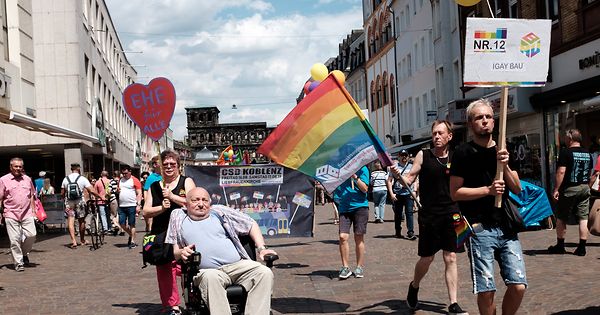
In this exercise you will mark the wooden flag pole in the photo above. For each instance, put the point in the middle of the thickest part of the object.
(501, 138)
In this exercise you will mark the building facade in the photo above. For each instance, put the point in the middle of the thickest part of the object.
(71, 53)
(380, 69)
(204, 130)
(416, 71)
(351, 61)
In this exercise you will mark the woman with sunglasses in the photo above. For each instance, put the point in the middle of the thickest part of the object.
(164, 196)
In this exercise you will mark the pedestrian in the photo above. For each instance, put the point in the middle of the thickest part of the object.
(39, 182)
(17, 193)
(162, 198)
(572, 191)
(114, 203)
(130, 199)
(72, 188)
(102, 186)
(319, 193)
(473, 185)
(47, 188)
(401, 198)
(152, 177)
(379, 189)
(351, 202)
(437, 217)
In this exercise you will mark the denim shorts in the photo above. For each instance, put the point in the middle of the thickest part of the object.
(491, 244)
(127, 214)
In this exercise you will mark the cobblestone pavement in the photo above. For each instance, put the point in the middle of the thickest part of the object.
(111, 281)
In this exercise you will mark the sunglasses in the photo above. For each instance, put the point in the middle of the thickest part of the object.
(169, 164)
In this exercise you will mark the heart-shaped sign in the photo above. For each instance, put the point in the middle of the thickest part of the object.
(150, 106)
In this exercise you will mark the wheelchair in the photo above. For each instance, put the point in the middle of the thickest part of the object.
(236, 294)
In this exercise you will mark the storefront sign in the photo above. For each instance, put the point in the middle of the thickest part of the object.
(591, 61)
(506, 52)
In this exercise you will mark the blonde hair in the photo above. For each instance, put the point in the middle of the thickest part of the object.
(473, 104)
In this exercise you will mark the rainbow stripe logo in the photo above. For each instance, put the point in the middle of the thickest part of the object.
(500, 33)
(530, 45)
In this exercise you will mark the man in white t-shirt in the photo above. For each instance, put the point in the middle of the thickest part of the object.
(72, 188)
(130, 198)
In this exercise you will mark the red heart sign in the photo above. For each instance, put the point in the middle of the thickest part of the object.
(150, 106)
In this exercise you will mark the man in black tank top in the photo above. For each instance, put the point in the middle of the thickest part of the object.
(436, 218)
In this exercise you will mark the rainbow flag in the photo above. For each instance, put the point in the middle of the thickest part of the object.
(462, 228)
(325, 136)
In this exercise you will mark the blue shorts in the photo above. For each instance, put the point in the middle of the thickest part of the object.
(491, 244)
(127, 214)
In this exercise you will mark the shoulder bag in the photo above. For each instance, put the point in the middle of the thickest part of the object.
(155, 251)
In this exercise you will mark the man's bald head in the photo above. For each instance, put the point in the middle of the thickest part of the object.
(197, 191)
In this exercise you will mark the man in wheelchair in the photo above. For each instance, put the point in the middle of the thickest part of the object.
(214, 232)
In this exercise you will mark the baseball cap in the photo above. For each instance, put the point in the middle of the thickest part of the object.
(403, 152)
(42, 173)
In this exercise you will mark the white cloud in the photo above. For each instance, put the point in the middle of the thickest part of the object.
(216, 60)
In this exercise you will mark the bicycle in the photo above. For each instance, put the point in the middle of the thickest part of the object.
(94, 228)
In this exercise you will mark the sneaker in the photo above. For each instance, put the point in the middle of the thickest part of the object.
(454, 309)
(174, 312)
(412, 298)
(132, 245)
(358, 272)
(19, 268)
(345, 273)
(411, 236)
(555, 249)
(122, 233)
(580, 251)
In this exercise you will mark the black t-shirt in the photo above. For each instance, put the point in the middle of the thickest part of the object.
(160, 223)
(578, 163)
(434, 179)
(477, 166)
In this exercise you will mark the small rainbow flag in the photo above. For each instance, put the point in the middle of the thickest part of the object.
(462, 228)
(325, 136)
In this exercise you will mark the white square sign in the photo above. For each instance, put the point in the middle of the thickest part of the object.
(506, 52)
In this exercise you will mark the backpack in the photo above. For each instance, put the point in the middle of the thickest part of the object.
(73, 190)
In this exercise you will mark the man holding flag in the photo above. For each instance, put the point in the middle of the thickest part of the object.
(438, 216)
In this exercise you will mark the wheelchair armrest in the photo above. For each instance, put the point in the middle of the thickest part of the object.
(270, 258)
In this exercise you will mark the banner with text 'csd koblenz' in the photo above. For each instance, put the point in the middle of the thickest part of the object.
(278, 198)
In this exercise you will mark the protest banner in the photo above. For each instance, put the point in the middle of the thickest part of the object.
(268, 193)
(506, 52)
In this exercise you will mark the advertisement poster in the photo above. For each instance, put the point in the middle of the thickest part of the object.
(278, 198)
(506, 52)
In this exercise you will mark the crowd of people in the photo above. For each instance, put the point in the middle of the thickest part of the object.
(457, 185)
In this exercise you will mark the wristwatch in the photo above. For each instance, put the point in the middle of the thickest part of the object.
(261, 248)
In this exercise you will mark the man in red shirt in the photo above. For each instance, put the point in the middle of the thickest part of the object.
(16, 194)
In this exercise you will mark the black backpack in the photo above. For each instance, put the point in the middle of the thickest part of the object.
(73, 190)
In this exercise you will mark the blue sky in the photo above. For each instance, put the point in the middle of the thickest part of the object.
(255, 54)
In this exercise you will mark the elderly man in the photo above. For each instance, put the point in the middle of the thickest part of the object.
(16, 195)
(213, 231)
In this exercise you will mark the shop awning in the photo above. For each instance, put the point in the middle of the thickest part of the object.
(407, 147)
(33, 124)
